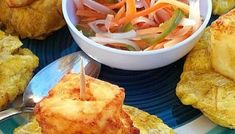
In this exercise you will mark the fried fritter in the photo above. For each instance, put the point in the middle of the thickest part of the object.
(16, 68)
(31, 127)
(18, 3)
(34, 19)
(205, 89)
(222, 6)
(222, 44)
(100, 113)
(148, 124)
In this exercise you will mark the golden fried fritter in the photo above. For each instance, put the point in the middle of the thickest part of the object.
(18, 3)
(16, 68)
(101, 113)
(222, 44)
(9, 44)
(31, 127)
(205, 89)
(222, 6)
(148, 124)
(34, 19)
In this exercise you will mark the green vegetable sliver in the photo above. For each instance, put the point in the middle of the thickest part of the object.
(130, 48)
(168, 26)
(127, 27)
(86, 30)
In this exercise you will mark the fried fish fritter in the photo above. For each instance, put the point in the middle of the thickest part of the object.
(222, 6)
(148, 124)
(205, 89)
(34, 19)
(100, 113)
(222, 44)
(31, 127)
(18, 3)
(16, 68)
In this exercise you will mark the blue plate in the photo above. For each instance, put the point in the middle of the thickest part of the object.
(152, 91)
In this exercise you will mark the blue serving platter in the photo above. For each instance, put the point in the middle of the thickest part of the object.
(152, 91)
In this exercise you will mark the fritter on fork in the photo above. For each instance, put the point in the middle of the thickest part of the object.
(100, 113)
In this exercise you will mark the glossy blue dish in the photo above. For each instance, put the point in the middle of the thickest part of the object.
(152, 91)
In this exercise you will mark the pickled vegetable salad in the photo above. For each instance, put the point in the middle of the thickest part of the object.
(137, 25)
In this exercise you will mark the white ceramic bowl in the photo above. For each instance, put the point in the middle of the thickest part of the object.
(128, 60)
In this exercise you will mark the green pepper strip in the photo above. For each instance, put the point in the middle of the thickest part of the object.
(127, 27)
(169, 26)
(86, 30)
(130, 48)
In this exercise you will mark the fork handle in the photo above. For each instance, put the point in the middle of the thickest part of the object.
(9, 112)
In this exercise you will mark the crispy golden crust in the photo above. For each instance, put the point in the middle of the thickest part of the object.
(222, 46)
(31, 127)
(16, 68)
(222, 6)
(19, 3)
(225, 23)
(146, 123)
(205, 89)
(101, 112)
(35, 20)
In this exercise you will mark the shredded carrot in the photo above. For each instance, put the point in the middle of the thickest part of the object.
(169, 10)
(142, 44)
(148, 2)
(89, 19)
(117, 5)
(120, 13)
(185, 31)
(158, 46)
(145, 12)
(130, 7)
(152, 30)
(117, 45)
(175, 41)
(89, 13)
(162, 15)
(146, 23)
(149, 48)
(147, 36)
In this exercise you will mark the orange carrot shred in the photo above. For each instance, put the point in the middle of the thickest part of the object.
(117, 5)
(147, 2)
(89, 13)
(159, 45)
(120, 13)
(126, 12)
(130, 7)
(141, 43)
(145, 12)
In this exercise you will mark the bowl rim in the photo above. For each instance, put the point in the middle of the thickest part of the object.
(117, 51)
